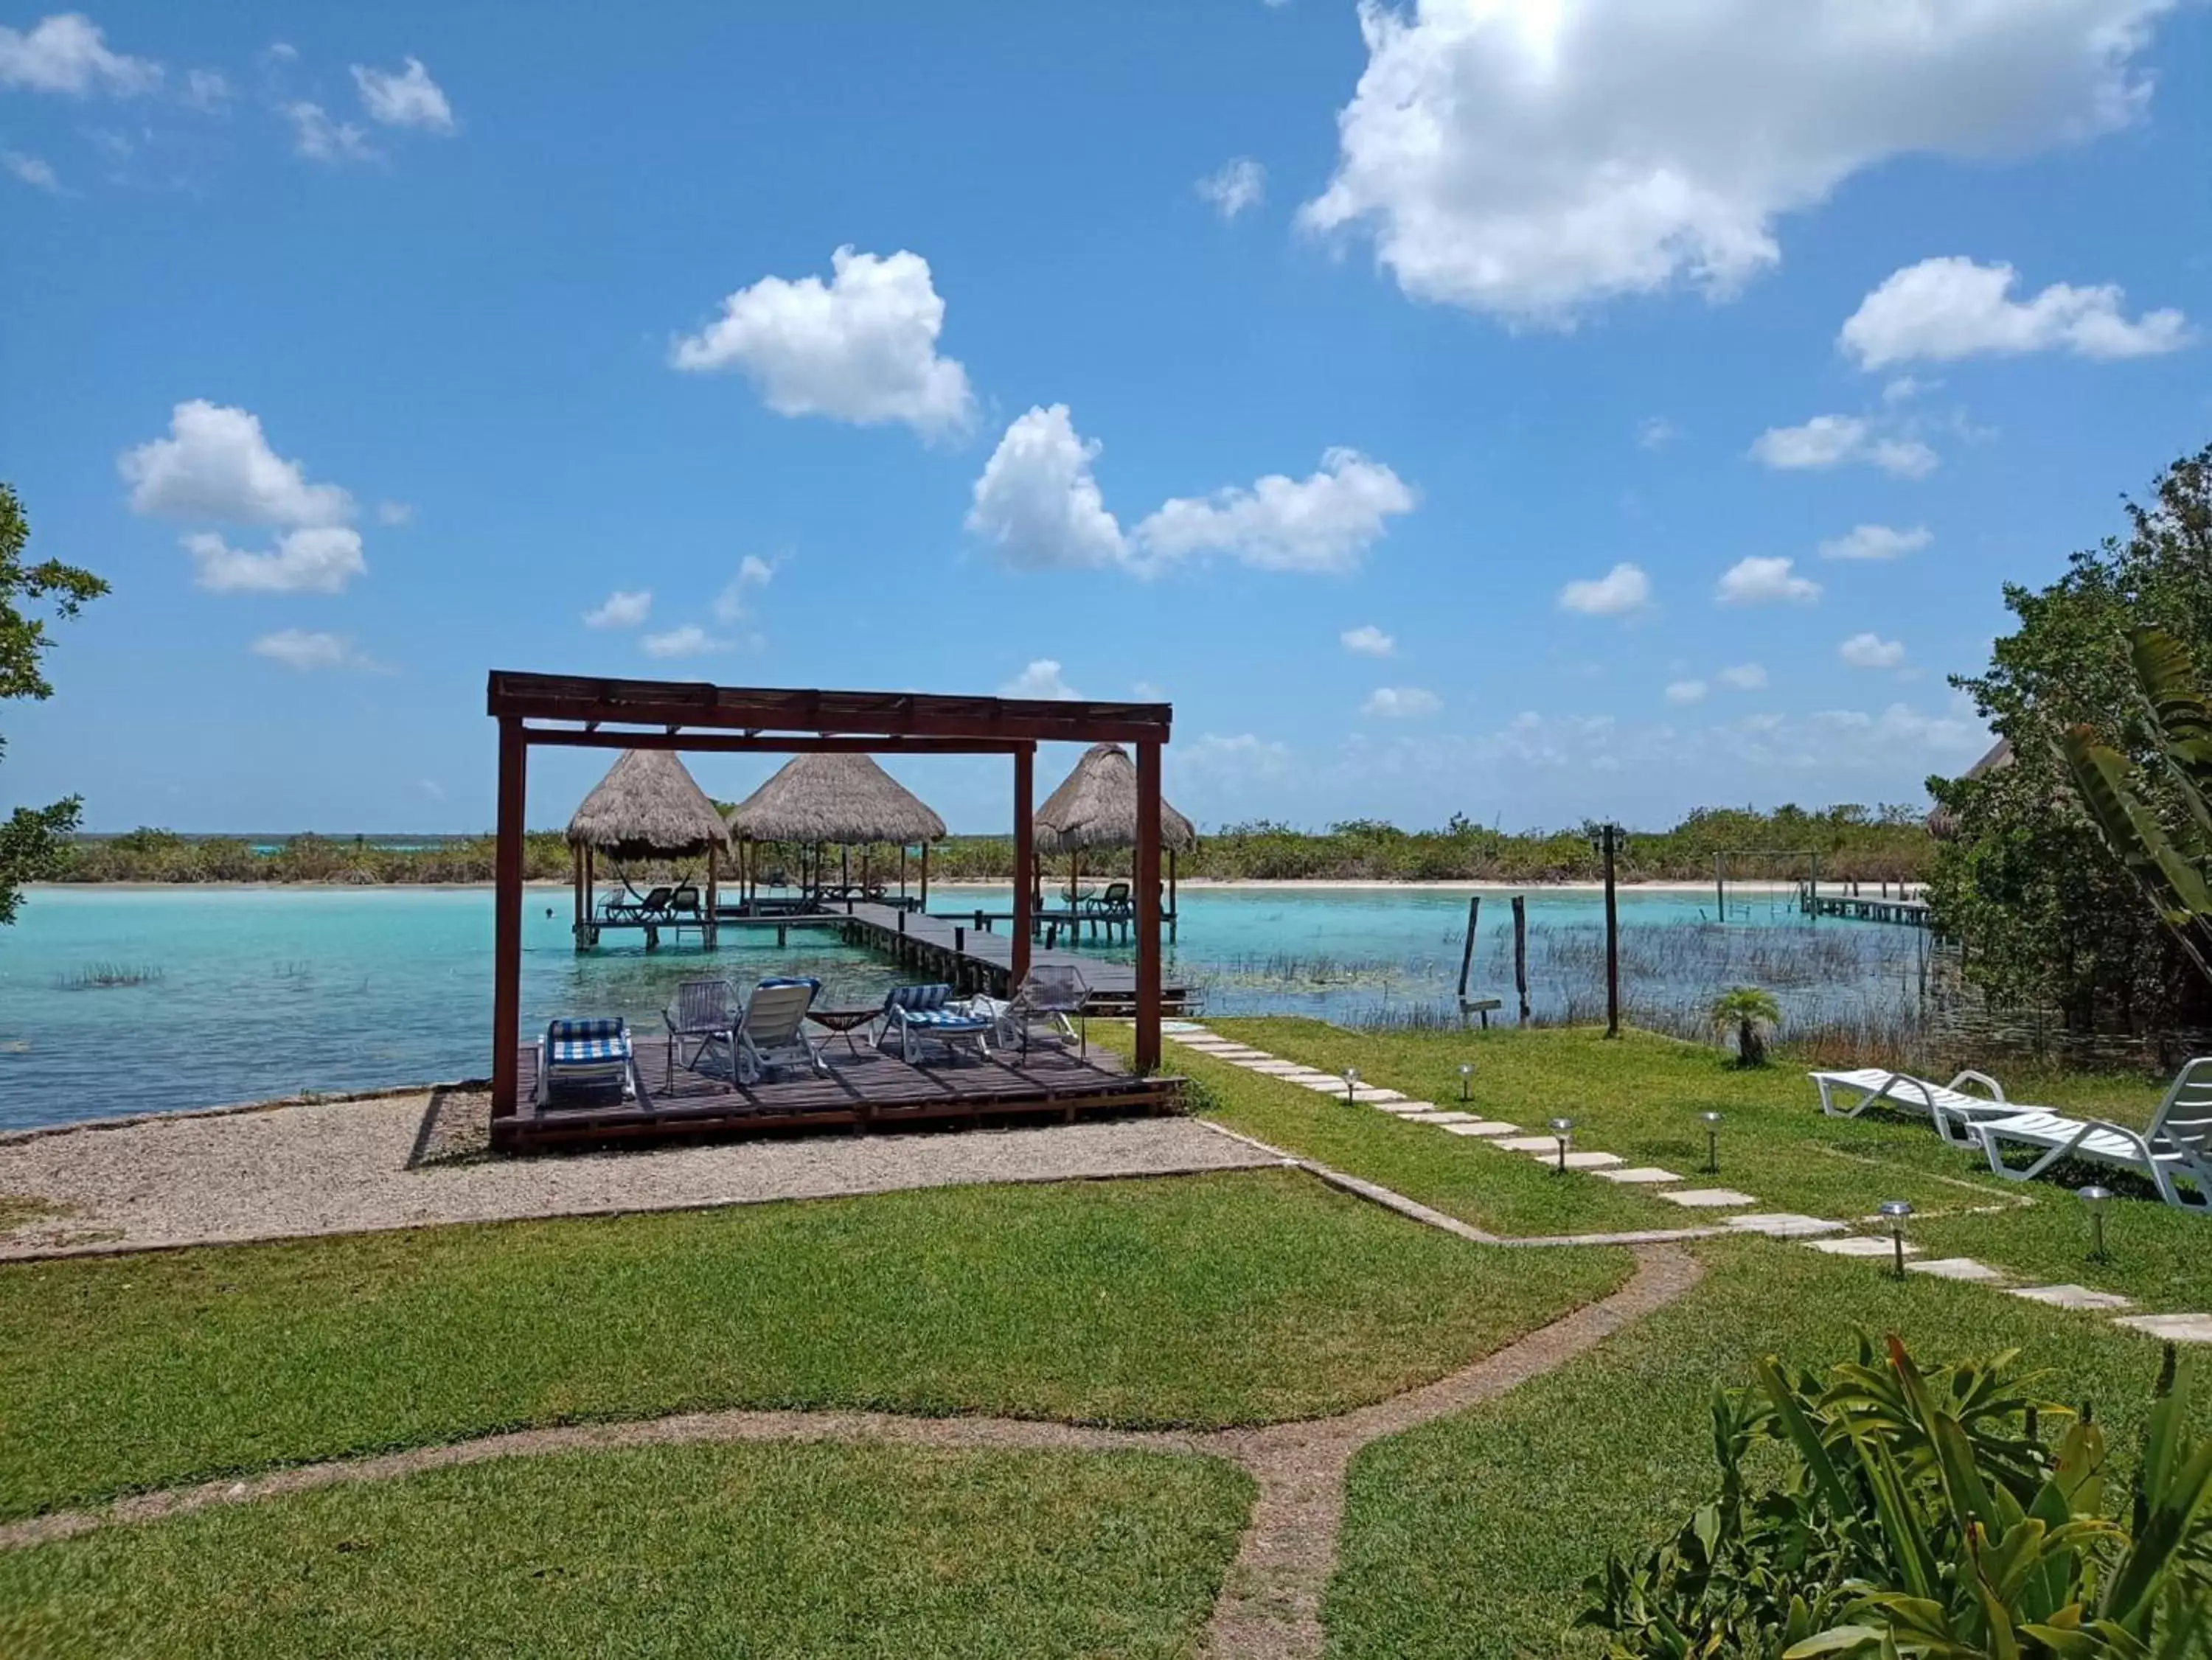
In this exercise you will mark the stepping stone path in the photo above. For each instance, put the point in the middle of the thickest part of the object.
(1815, 1233)
(2073, 1296)
(1709, 1198)
(1957, 1267)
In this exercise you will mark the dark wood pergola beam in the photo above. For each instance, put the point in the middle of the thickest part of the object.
(572, 737)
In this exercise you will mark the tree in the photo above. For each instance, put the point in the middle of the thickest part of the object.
(2051, 918)
(32, 837)
(1752, 1013)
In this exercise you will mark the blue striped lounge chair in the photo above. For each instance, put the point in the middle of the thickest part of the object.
(921, 1015)
(590, 1058)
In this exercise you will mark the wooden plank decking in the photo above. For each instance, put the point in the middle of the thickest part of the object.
(865, 1090)
(981, 960)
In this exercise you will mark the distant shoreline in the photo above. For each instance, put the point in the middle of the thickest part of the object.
(1292, 884)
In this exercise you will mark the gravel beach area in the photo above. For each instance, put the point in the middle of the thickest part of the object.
(411, 1161)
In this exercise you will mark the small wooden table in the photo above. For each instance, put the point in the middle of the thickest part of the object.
(845, 1020)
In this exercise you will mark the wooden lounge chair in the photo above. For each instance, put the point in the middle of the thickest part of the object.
(650, 908)
(588, 1058)
(921, 1015)
(2176, 1148)
(1953, 1111)
(704, 1015)
(772, 1029)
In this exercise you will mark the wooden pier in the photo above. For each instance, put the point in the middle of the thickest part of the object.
(972, 959)
(1864, 907)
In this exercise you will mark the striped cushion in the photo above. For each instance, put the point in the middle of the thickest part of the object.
(917, 999)
(947, 1020)
(586, 1042)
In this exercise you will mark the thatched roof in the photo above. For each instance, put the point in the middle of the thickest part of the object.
(1096, 806)
(846, 799)
(648, 806)
(1942, 823)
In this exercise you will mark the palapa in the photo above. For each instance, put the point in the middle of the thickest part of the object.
(648, 806)
(1942, 823)
(1096, 806)
(845, 799)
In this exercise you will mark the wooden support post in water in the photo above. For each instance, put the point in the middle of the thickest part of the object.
(1148, 907)
(1720, 888)
(1017, 948)
(507, 919)
(924, 875)
(1610, 835)
(1175, 905)
(1467, 949)
(1521, 952)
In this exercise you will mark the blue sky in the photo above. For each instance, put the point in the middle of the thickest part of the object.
(1319, 372)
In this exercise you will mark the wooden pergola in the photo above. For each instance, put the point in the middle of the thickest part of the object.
(576, 711)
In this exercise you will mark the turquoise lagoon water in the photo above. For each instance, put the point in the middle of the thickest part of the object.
(261, 991)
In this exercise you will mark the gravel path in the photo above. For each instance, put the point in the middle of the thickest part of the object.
(404, 1161)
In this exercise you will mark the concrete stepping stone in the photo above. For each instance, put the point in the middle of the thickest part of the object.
(1367, 1096)
(2174, 1328)
(1577, 1160)
(1860, 1245)
(1283, 1069)
(1643, 1175)
(1784, 1224)
(1709, 1198)
(1181, 1028)
(1957, 1267)
(1529, 1144)
(1482, 1127)
(1422, 1112)
(2073, 1296)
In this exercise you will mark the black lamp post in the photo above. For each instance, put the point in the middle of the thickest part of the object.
(1607, 843)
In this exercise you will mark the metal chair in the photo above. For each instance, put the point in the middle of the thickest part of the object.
(1055, 994)
(704, 1014)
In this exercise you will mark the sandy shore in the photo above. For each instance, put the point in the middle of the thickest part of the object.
(407, 1161)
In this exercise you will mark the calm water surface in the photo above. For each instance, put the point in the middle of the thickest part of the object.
(254, 993)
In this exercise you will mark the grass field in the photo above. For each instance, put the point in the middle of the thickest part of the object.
(1472, 1534)
(1639, 1096)
(1205, 1300)
(815, 1550)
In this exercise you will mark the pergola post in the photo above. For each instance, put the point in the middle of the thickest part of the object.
(714, 893)
(925, 878)
(1018, 963)
(507, 919)
(1148, 907)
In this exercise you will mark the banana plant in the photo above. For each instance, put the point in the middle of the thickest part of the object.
(2172, 865)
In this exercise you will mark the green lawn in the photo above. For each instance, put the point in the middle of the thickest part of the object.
(1640, 1096)
(769, 1550)
(1472, 1534)
(1200, 1300)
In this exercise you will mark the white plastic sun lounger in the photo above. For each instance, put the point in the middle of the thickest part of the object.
(1953, 1111)
(2178, 1142)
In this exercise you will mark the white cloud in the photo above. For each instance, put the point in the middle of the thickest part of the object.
(1368, 641)
(1041, 679)
(207, 90)
(318, 138)
(32, 170)
(1686, 691)
(1230, 757)
(1905, 388)
(753, 571)
(395, 514)
(689, 641)
(1323, 522)
(622, 609)
(320, 560)
(861, 348)
(1529, 159)
(1235, 186)
(1037, 502)
(215, 464)
(67, 53)
(1622, 589)
(1144, 691)
(1944, 309)
(1765, 582)
(1830, 440)
(1743, 677)
(1656, 433)
(431, 788)
(299, 650)
(1876, 542)
(1871, 651)
(409, 98)
(1400, 703)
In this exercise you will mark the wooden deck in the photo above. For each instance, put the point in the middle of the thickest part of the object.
(1866, 908)
(972, 959)
(866, 1090)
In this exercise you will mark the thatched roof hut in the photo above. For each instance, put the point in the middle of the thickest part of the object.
(1942, 823)
(844, 799)
(648, 806)
(1096, 806)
